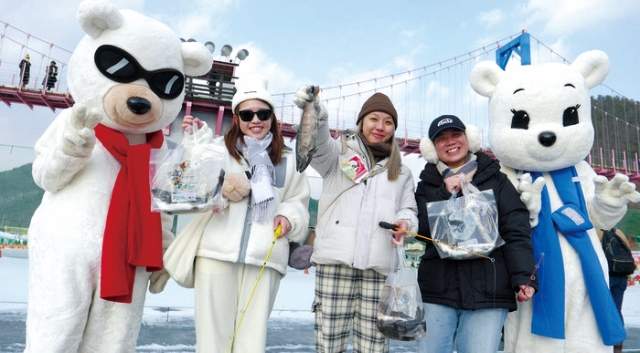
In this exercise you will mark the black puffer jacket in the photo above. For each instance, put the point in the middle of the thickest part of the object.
(477, 283)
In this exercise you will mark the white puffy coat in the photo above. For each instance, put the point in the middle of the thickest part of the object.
(347, 231)
(234, 237)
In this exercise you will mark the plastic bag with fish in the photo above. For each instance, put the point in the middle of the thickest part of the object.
(400, 314)
(187, 179)
(468, 222)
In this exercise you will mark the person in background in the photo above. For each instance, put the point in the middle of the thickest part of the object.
(466, 301)
(617, 283)
(236, 242)
(364, 183)
(52, 76)
(25, 69)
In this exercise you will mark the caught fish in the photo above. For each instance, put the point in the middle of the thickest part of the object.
(307, 132)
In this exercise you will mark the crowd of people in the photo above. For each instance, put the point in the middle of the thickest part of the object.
(364, 182)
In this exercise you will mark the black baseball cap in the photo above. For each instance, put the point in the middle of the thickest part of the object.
(444, 122)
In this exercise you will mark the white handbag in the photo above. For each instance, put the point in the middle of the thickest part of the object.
(179, 259)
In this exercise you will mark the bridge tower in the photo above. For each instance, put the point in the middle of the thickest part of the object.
(519, 45)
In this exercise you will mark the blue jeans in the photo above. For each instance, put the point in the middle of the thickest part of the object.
(617, 285)
(476, 331)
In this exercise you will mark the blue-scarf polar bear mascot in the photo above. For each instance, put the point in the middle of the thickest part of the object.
(540, 129)
(94, 244)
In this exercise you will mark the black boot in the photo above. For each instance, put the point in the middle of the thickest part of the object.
(617, 348)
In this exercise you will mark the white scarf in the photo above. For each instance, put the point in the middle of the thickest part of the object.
(262, 176)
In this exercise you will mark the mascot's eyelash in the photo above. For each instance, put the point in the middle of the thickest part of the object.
(570, 116)
(520, 119)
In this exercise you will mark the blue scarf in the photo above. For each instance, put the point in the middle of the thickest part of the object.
(573, 222)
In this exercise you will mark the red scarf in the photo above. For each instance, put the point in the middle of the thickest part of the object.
(133, 233)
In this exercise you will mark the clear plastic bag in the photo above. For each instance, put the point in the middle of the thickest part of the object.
(400, 314)
(187, 179)
(469, 223)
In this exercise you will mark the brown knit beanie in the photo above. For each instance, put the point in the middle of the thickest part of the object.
(378, 103)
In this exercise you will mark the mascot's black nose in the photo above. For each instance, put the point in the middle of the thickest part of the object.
(547, 139)
(138, 105)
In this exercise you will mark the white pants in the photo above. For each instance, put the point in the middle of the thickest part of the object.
(222, 291)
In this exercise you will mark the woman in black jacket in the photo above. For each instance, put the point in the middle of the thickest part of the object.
(466, 301)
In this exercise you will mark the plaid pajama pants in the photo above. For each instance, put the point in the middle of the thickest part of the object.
(347, 298)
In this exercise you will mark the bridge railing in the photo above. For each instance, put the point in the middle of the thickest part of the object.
(610, 159)
(209, 89)
(609, 163)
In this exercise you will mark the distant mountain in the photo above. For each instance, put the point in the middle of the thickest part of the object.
(19, 197)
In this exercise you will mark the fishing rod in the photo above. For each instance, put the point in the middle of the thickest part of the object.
(535, 268)
(392, 226)
(276, 235)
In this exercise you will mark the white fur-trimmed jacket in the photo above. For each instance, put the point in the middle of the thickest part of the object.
(347, 231)
(234, 237)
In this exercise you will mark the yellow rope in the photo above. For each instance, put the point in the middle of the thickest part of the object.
(275, 237)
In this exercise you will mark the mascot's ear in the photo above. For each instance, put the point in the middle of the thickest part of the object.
(593, 66)
(484, 78)
(94, 16)
(197, 59)
(428, 150)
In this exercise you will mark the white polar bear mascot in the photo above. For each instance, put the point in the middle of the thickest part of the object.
(541, 131)
(93, 241)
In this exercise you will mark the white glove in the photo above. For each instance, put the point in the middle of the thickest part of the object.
(305, 95)
(616, 193)
(158, 280)
(531, 196)
(79, 137)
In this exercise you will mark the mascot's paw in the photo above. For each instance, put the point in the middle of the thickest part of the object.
(531, 196)
(158, 280)
(79, 136)
(300, 256)
(236, 187)
(617, 192)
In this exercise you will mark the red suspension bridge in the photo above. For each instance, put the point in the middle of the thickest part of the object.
(419, 94)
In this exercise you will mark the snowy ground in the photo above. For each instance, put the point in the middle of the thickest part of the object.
(168, 316)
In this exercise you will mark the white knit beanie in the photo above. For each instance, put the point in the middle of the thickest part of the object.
(251, 86)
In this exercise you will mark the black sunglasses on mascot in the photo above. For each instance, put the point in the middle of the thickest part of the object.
(247, 115)
(118, 65)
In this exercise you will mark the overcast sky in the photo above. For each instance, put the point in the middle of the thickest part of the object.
(330, 43)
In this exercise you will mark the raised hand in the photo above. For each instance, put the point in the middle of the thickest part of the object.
(187, 123)
(79, 137)
(531, 196)
(615, 193)
(304, 95)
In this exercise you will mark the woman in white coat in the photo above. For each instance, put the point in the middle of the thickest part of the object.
(236, 242)
(364, 183)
